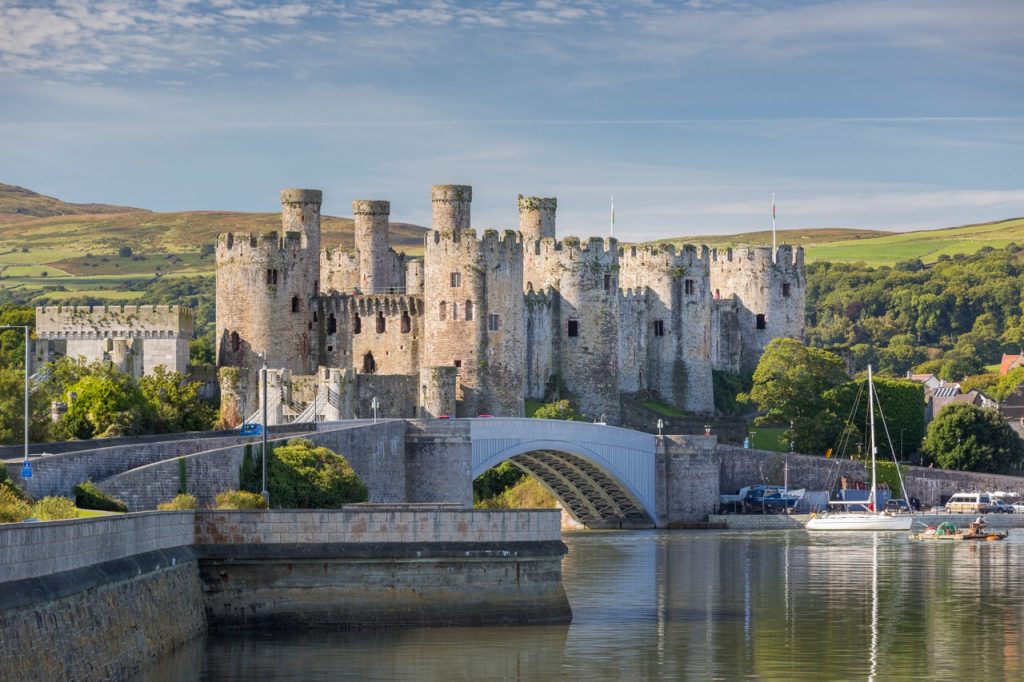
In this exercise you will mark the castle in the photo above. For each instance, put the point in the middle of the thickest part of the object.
(484, 321)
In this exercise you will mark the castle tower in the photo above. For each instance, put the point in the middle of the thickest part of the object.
(451, 207)
(474, 316)
(437, 392)
(537, 217)
(770, 292)
(266, 285)
(372, 245)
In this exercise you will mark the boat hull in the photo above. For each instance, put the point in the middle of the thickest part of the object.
(860, 522)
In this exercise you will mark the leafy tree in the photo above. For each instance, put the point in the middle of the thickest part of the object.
(902, 406)
(176, 401)
(107, 405)
(971, 438)
(561, 409)
(789, 386)
(12, 341)
(125, 252)
(496, 480)
(12, 409)
(303, 476)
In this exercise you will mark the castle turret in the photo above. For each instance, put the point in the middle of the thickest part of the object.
(451, 207)
(372, 245)
(474, 317)
(537, 217)
(265, 288)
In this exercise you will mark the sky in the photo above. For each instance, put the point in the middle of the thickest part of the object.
(881, 114)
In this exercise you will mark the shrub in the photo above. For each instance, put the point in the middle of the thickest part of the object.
(180, 501)
(8, 484)
(54, 509)
(303, 476)
(88, 496)
(239, 499)
(12, 507)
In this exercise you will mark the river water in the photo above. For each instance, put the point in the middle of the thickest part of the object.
(698, 605)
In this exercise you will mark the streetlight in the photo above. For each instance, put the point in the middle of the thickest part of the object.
(26, 467)
(661, 425)
(374, 405)
(263, 373)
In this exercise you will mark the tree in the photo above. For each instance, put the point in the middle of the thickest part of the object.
(902, 406)
(561, 409)
(125, 252)
(176, 402)
(303, 476)
(107, 405)
(12, 409)
(971, 438)
(789, 387)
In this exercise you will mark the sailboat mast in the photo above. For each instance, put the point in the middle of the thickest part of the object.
(871, 413)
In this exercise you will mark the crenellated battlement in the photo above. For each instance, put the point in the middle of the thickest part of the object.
(506, 243)
(257, 247)
(114, 321)
(786, 256)
(665, 256)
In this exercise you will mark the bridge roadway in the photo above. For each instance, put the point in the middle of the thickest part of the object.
(604, 476)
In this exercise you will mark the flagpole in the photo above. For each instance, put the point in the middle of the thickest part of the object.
(773, 226)
(611, 227)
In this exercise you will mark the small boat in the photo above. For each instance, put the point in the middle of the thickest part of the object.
(947, 530)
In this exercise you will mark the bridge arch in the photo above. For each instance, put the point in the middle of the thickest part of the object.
(603, 475)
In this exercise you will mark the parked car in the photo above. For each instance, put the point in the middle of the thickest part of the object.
(969, 503)
(1018, 507)
(898, 505)
(1001, 507)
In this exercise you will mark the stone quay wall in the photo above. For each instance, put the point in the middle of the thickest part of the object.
(101, 598)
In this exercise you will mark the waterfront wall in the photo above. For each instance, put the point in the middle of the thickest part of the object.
(96, 599)
(387, 567)
(100, 598)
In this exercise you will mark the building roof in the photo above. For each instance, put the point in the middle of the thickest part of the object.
(921, 378)
(946, 391)
(1010, 362)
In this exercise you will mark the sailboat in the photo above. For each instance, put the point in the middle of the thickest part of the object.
(872, 519)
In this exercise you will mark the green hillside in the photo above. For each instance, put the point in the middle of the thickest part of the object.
(925, 245)
(20, 202)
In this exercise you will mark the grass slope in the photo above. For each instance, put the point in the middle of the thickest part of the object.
(20, 203)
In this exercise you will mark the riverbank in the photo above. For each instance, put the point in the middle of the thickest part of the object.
(100, 598)
(795, 521)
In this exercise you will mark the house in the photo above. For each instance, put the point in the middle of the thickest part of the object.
(1010, 362)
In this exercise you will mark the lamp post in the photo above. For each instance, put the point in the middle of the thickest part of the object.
(27, 360)
(661, 425)
(374, 405)
(263, 373)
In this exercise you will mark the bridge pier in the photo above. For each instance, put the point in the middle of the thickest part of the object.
(689, 470)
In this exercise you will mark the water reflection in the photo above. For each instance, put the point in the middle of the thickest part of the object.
(698, 605)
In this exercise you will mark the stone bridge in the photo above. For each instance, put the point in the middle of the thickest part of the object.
(604, 476)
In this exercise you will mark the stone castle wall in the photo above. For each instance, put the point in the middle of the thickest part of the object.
(517, 314)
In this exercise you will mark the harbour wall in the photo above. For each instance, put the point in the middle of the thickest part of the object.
(101, 598)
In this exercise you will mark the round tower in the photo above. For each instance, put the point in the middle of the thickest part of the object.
(300, 212)
(451, 207)
(537, 217)
(437, 392)
(265, 287)
(372, 244)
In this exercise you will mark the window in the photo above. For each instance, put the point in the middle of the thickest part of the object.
(659, 327)
(493, 322)
(469, 310)
(357, 324)
(458, 364)
(236, 342)
(406, 322)
(271, 276)
(369, 364)
(315, 318)
(760, 320)
(332, 324)
(785, 289)
(330, 349)
(607, 282)
(316, 287)
(456, 279)
(573, 328)
(381, 324)
(442, 311)
(455, 311)
(688, 286)
(296, 305)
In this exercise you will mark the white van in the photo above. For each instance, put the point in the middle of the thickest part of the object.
(970, 503)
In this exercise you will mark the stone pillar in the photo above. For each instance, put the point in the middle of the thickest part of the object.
(235, 391)
(437, 392)
(537, 217)
(279, 383)
(339, 384)
(451, 207)
(372, 244)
